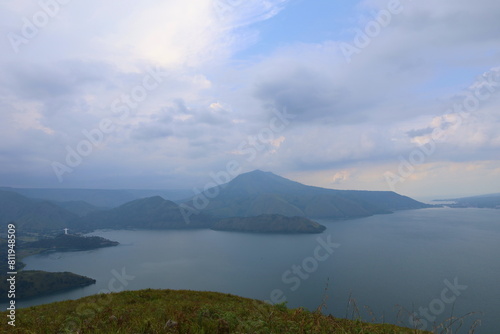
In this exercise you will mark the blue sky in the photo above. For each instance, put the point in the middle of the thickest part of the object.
(302, 22)
(378, 95)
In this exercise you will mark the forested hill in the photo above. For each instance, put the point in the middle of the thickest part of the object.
(259, 192)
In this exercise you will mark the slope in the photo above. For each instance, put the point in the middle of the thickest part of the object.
(259, 192)
(146, 213)
(32, 215)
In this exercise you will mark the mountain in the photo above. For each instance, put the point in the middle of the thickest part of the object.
(108, 198)
(32, 215)
(258, 192)
(269, 224)
(146, 213)
(80, 208)
(491, 201)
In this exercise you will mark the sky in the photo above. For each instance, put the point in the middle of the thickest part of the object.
(394, 95)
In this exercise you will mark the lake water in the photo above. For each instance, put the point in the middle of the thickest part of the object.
(435, 262)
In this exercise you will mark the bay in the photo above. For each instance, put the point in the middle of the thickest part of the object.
(434, 262)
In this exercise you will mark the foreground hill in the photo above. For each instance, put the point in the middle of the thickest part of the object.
(269, 224)
(146, 213)
(32, 215)
(168, 311)
(258, 192)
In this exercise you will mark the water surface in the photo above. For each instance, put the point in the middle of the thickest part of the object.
(407, 258)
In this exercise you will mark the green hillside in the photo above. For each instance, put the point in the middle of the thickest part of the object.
(80, 208)
(168, 311)
(147, 213)
(258, 192)
(32, 215)
(108, 198)
(69, 242)
(34, 283)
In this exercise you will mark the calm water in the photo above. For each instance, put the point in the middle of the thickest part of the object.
(433, 261)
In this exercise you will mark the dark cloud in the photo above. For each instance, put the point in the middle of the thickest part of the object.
(304, 93)
(419, 132)
(151, 132)
(42, 81)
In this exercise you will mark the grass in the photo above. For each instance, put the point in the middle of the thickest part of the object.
(169, 311)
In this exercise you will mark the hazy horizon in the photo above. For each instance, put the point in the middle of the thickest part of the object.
(195, 190)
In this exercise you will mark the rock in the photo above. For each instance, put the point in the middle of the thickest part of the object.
(170, 324)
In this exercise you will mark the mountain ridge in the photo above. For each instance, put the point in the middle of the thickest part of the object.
(32, 215)
(260, 192)
(151, 213)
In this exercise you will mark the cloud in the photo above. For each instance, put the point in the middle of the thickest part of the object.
(340, 177)
(351, 120)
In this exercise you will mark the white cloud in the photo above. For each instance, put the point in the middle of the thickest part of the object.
(352, 120)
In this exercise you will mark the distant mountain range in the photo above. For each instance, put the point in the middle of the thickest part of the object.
(32, 215)
(146, 213)
(491, 201)
(103, 198)
(259, 192)
(248, 195)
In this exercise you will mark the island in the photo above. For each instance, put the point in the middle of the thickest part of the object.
(71, 242)
(34, 283)
(269, 223)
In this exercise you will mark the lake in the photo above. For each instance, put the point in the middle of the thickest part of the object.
(434, 262)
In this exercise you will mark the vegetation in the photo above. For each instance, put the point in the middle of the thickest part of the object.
(65, 242)
(168, 311)
(80, 208)
(258, 192)
(34, 283)
(32, 215)
(147, 213)
(248, 195)
(269, 224)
